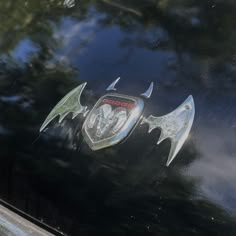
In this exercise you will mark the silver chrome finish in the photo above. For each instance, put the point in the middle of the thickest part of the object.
(69, 3)
(148, 93)
(175, 125)
(12, 224)
(69, 103)
(115, 115)
(105, 127)
(111, 87)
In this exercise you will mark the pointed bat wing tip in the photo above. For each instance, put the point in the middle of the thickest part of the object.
(46, 122)
(190, 101)
(168, 163)
(44, 125)
(190, 98)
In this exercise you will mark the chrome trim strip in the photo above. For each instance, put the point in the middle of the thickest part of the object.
(12, 224)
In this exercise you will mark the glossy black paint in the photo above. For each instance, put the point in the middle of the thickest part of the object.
(185, 47)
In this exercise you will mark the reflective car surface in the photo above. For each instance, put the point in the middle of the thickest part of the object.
(185, 47)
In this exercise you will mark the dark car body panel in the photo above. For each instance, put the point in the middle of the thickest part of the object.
(184, 47)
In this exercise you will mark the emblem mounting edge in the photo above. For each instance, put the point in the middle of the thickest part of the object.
(115, 138)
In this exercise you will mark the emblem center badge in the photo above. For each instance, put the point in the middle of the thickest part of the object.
(112, 118)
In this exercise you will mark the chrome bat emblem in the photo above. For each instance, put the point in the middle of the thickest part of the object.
(114, 116)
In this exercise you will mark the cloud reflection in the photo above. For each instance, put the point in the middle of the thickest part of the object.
(216, 167)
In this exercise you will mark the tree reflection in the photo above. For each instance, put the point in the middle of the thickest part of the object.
(110, 192)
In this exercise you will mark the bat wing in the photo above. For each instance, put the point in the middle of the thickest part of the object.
(175, 126)
(69, 103)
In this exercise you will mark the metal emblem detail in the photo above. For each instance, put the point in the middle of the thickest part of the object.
(111, 120)
(115, 115)
(175, 126)
(68, 104)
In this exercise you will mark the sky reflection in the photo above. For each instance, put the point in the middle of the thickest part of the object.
(24, 51)
(185, 48)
